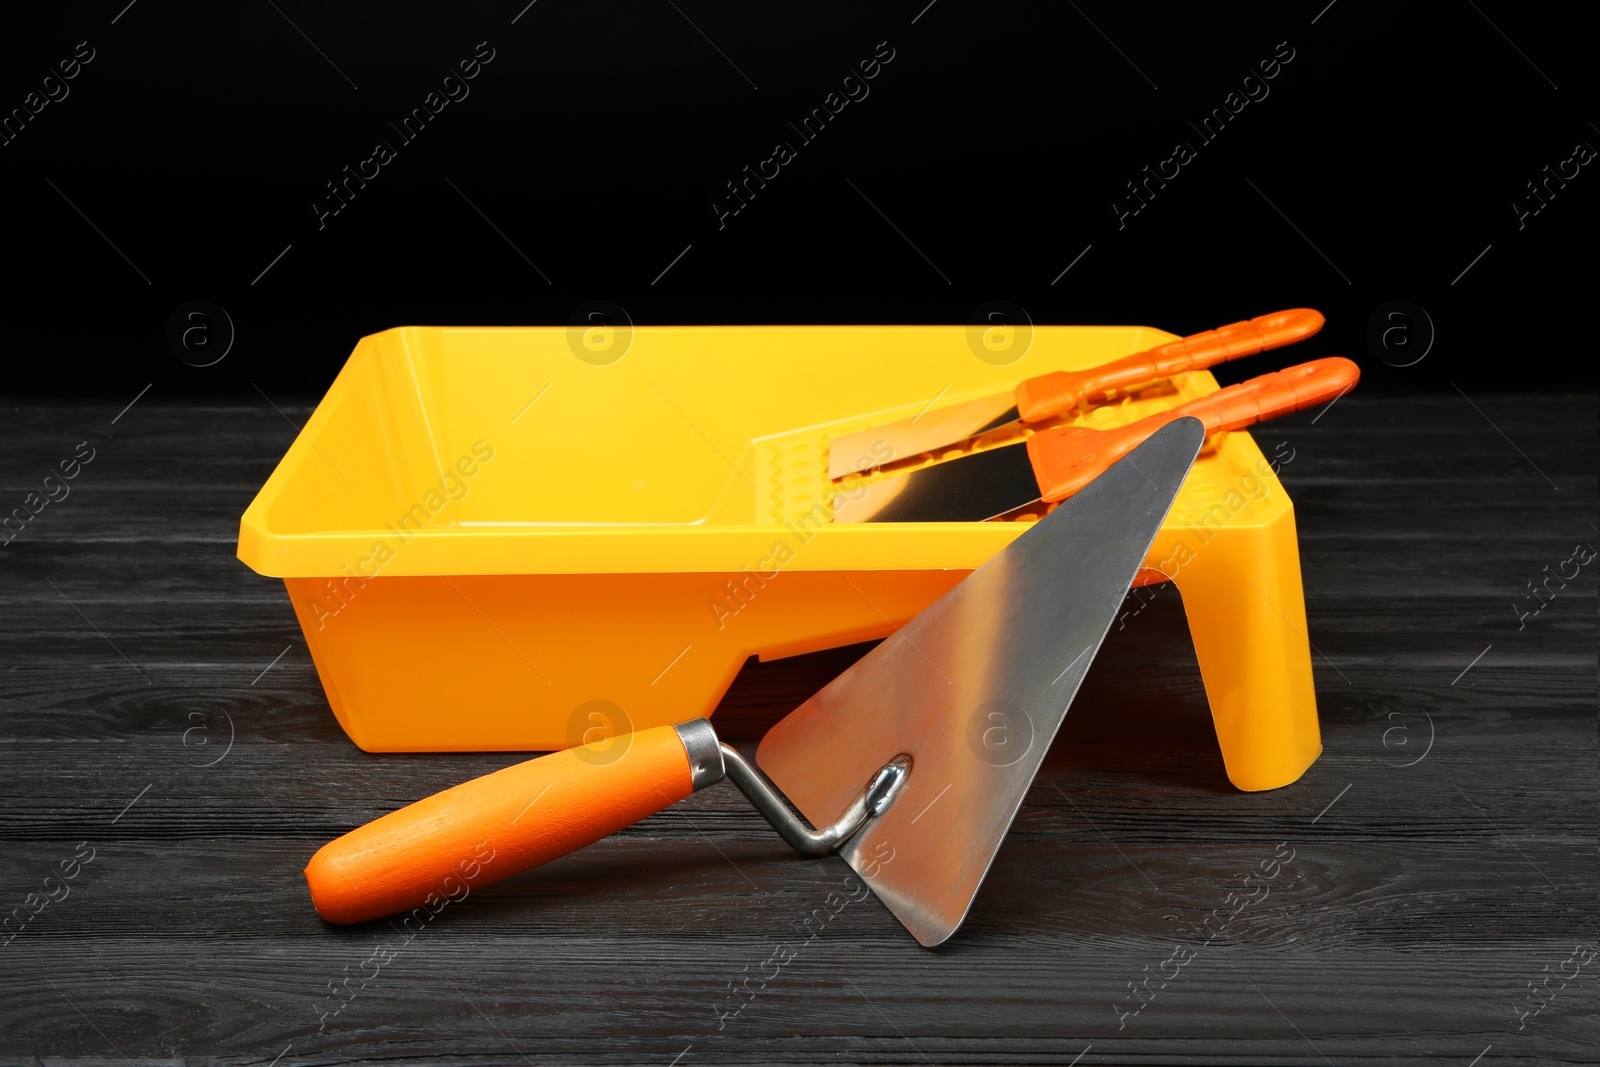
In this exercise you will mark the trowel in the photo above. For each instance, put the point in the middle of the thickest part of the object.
(910, 765)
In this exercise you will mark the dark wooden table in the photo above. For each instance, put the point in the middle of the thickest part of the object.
(1440, 903)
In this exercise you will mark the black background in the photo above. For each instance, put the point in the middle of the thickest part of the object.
(1390, 149)
(1432, 891)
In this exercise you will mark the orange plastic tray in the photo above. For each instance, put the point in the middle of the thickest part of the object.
(522, 538)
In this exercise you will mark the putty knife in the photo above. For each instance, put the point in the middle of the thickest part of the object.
(1048, 395)
(1053, 464)
(913, 762)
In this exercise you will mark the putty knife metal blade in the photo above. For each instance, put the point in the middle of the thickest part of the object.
(930, 430)
(974, 690)
(970, 488)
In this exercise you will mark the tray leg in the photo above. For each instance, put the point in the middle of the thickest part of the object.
(1246, 610)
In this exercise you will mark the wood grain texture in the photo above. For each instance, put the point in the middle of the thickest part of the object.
(1444, 846)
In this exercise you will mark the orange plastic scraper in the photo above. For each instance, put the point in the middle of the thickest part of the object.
(913, 762)
(1053, 464)
(1059, 392)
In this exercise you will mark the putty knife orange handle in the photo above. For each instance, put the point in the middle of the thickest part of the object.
(1051, 394)
(440, 849)
(1066, 458)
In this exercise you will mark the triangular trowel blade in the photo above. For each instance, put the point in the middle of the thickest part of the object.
(974, 689)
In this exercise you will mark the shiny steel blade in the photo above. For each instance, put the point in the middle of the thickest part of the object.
(921, 433)
(965, 489)
(973, 690)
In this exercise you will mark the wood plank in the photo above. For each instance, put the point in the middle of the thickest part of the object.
(1421, 902)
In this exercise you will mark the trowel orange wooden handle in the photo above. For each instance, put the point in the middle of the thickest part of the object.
(1051, 394)
(1066, 458)
(442, 848)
